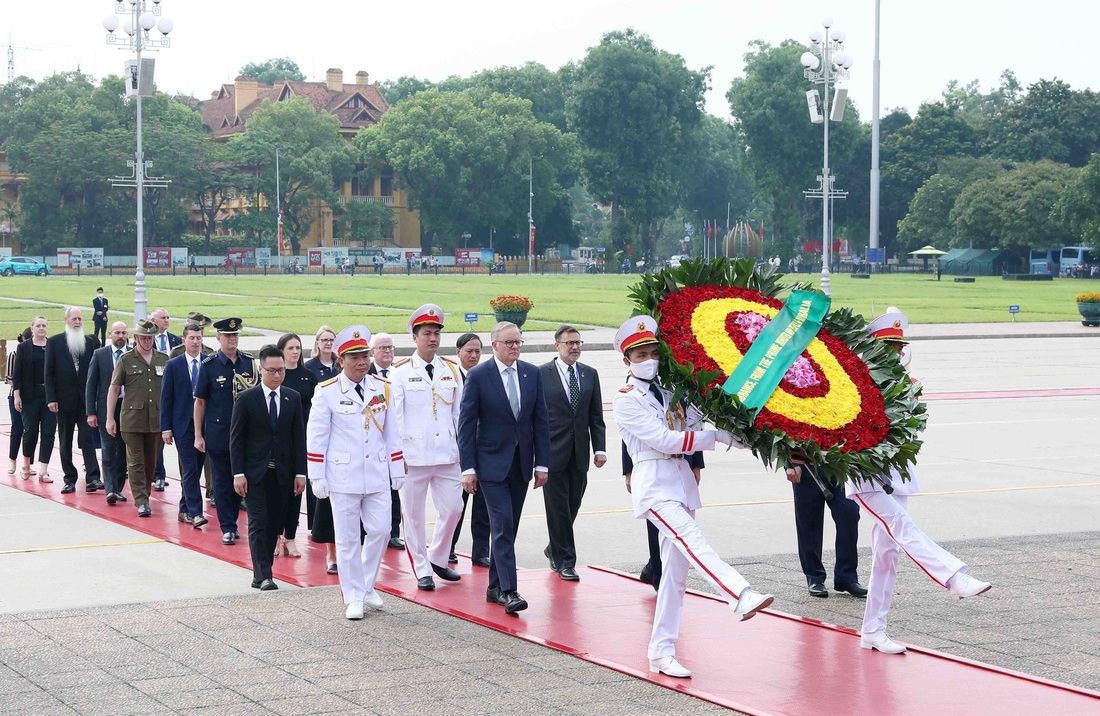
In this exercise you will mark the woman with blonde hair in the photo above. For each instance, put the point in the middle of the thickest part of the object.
(29, 388)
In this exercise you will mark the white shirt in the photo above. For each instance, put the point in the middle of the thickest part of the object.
(563, 373)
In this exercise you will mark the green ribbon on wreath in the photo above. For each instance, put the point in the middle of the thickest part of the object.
(777, 348)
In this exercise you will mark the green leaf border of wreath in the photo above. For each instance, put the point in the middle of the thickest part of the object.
(901, 396)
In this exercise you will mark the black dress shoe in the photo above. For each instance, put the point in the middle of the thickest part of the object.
(236, 535)
(426, 583)
(198, 521)
(396, 543)
(186, 518)
(817, 589)
(481, 562)
(513, 602)
(120, 497)
(158, 485)
(493, 596)
(93, 486)
(68, 488)
(452, 558)
(112, 498)
(145, 511)
(569, 574)
(268, 585)
(228, 538)
(446, 573)
(854, 588)
(550, 556)
(256, 583)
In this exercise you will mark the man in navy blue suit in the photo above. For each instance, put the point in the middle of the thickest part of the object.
(503, 432)
(177, 421)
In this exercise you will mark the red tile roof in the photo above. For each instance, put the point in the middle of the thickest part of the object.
(219, 113)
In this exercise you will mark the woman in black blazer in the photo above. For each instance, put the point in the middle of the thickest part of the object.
(29, 388)
(16, 419)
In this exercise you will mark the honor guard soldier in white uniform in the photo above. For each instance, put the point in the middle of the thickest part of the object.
(657, 434)
(354, 456)
(893, 530)
(427, 393)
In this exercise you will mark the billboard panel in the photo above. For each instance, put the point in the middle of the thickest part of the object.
(78, 258)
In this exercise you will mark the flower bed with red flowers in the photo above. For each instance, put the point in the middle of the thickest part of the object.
(846, 405)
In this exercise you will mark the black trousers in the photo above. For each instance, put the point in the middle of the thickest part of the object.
(226, 500)
(809, 521)
(267, 500)
(395, 513)
(38, 418)
(653, 566)
(114, 456)
(101, 331)
(479, 525)
(16, 429)
(505, 502)
(562, 496)
(69, 421)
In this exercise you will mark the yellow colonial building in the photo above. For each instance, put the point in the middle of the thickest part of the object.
(357, 106)
(9, 199)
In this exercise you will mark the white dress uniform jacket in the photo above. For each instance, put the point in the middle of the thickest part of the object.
(425, 410)
(651, 433)
(349, 443)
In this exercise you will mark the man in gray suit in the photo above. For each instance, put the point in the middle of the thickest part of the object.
(100, 371)
(575, 408)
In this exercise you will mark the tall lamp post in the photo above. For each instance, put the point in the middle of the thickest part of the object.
(140, 19)
(826, 63)
(530, 212)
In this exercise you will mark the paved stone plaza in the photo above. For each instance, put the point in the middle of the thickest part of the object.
(98, 619)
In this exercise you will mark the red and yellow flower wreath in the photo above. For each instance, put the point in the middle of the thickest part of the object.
(846, 405)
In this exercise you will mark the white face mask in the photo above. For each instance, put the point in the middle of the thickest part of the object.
(646, 370)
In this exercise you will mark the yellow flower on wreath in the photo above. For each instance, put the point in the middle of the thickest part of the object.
(833, 410)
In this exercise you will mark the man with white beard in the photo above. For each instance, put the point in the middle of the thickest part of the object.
(68, 355)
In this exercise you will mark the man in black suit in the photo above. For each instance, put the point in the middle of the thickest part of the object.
(99, 317)
(68, 355)
(503, 433)
(164, 342)
(574, 407)
(381, 346)
(100, 370)
(267, 448)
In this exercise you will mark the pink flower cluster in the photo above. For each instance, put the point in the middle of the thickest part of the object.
(801, 374)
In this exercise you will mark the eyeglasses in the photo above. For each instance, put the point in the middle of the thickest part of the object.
(327, 340)
(571, 344)
(274, 371)
(511, 344)
(383, 348)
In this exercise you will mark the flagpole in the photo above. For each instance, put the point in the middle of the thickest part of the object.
(278, 208)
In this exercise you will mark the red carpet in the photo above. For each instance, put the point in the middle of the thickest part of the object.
(773, 664)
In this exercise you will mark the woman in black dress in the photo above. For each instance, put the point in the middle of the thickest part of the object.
(300, 379)
(16, 441)
(323, 366)
(29, 384)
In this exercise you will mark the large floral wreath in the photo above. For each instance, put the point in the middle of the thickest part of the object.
(846, 405)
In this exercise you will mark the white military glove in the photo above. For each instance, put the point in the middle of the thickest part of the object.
(320, 488)
(396, 483)
(725, 437)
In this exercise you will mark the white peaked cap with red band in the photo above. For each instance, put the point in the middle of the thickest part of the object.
(636, 331)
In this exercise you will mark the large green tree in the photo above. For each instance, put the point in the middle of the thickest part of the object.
(271, 71)
(785, 150)
(1051, 121)
(634, 108)
(1014, 208)
(715, 183)
(928, 222)
(313, 160)
(464, 159)
(1079, 206)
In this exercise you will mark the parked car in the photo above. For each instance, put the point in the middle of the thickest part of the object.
(675, 261)
(13, 265)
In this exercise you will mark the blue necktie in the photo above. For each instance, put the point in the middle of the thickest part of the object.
(194, 374)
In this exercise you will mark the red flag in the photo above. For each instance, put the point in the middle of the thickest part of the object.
(761, 229)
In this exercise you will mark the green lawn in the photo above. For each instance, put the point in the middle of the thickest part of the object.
(301, 303)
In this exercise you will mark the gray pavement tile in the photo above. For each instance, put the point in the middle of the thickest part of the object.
(59, 710)
(17, 686)
(246, 708)
(297, 655)
(395, 661)
(186, 700)
(107, 700)
(302, 705)
(321, 667)
(531, 682)
(160, 685)
(592, 674)
(235, 674)
(285, 687)
(462, 654)
(152, 668)
(65, 679)
(31, 700)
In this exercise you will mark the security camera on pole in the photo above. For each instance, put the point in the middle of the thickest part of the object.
(140, 19)
(826, 63)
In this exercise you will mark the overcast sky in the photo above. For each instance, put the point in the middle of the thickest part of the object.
(925, 43)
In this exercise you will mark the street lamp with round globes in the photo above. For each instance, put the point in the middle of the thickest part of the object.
(826, 63)
(140, 19)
